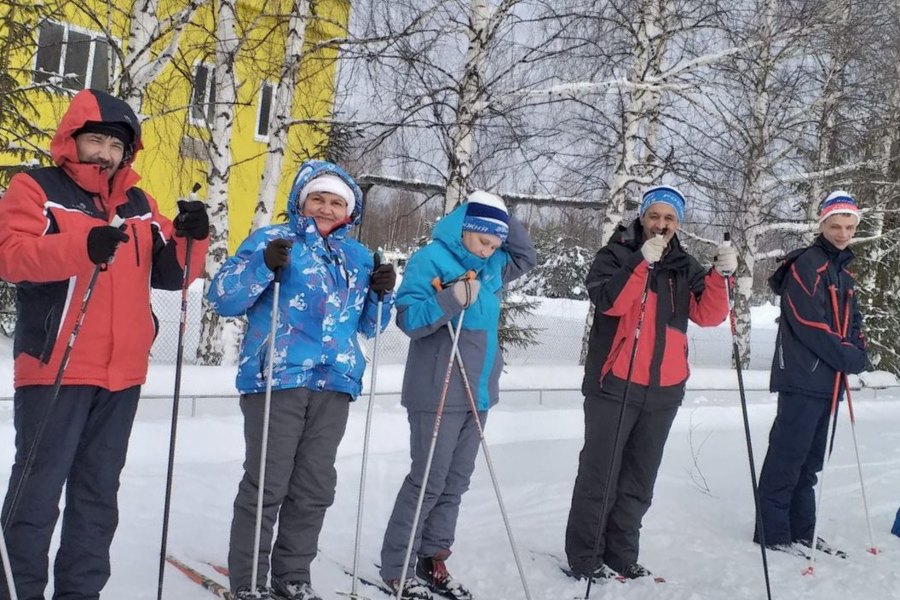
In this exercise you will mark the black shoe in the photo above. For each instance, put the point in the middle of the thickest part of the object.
(824, 547)
(635, 571)
(260, 593)
(792, 549)
(433, 571)
(293, 590)
(412, 589)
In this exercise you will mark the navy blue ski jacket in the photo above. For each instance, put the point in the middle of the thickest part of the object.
(810, 349)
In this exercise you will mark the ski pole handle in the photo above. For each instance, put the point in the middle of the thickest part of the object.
(377, 263)
(440, 286)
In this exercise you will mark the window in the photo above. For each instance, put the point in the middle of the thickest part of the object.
(203, 97)
(72, 58)
(264, 114)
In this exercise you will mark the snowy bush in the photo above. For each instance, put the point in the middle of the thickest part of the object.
(561, 269)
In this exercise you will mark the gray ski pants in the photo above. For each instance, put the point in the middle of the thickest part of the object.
(305, 429)
(451, 470)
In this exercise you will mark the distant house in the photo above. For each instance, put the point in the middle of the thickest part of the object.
(75, 46)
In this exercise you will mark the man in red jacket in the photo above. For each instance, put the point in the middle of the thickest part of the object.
(679, 289)
(55, 230)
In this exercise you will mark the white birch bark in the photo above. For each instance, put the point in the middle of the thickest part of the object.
(634, 164)
(642, 102)
(139, 65)
(751, 218)
(213, 334)
(282, 109)
(462, 136)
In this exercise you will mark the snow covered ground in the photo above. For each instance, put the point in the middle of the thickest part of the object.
(697, 534)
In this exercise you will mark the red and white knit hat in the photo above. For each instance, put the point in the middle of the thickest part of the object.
(838, 202)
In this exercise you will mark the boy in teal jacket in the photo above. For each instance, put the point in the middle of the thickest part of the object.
(478, 236)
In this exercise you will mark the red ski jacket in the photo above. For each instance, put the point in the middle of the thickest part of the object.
(45, 216)
(680, 290)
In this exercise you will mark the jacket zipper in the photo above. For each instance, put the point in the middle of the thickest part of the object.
(137, 247)
(780, 352)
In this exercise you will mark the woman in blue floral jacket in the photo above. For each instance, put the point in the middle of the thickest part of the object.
(329, 293)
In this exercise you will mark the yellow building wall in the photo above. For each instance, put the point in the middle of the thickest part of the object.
(166, 173)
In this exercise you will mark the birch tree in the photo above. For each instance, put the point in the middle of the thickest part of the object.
(218, 336)
(282, 112)
(149, 28)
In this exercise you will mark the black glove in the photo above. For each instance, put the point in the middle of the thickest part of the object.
(102, 242)
(383, 278)
(278, 253)
(192, 220)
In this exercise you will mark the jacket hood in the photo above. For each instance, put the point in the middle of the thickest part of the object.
(308, 171)
(92, 105)
(448, 231)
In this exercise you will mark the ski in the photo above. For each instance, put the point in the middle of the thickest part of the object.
(199, 578)
(220, 569)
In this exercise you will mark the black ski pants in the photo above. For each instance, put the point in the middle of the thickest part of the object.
(83, 446)
(636, 462)
(787, 500)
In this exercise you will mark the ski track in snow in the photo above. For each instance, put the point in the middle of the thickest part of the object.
(698, 539)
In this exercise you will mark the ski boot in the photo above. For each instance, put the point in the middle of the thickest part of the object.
(637, 571)
(412, 589)
(433, 571)
(260, 593)
(824, 547)
(293, 590)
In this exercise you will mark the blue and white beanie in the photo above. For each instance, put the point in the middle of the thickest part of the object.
(486, 213)
(663, 194)
(838, 202)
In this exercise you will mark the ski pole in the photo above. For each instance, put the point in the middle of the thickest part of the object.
(117, 222)
(365, 454)
(832, 424)
(736, 353)
(434, 436)
(862, 486)
(176, 396)
(490, 464)
(601, 522)
(7, 568)
(264, 444)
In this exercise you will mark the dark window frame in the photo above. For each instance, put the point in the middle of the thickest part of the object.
(265, 108)
(54, 60)
(202, 110)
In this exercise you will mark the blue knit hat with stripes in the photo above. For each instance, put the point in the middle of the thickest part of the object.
(486, 213)
(663, 194)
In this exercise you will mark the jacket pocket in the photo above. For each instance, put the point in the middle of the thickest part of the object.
(51, 326)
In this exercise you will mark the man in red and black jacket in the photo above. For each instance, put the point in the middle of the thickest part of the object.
(819, 342)
(679, 289)
(55, 230)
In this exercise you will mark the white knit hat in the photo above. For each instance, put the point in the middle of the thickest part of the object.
(331, 184)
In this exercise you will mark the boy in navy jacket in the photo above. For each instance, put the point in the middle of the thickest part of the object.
(819, 342)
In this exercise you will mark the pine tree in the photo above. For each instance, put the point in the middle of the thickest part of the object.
(561, 270)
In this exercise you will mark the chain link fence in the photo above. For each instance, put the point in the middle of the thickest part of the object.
(558, 327)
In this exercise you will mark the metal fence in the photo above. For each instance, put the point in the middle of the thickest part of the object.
(558, 337)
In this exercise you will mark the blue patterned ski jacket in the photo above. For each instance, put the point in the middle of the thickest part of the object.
(324, 300)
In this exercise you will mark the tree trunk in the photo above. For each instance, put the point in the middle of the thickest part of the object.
(462, 137)
(282, 114)
(212, 349)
